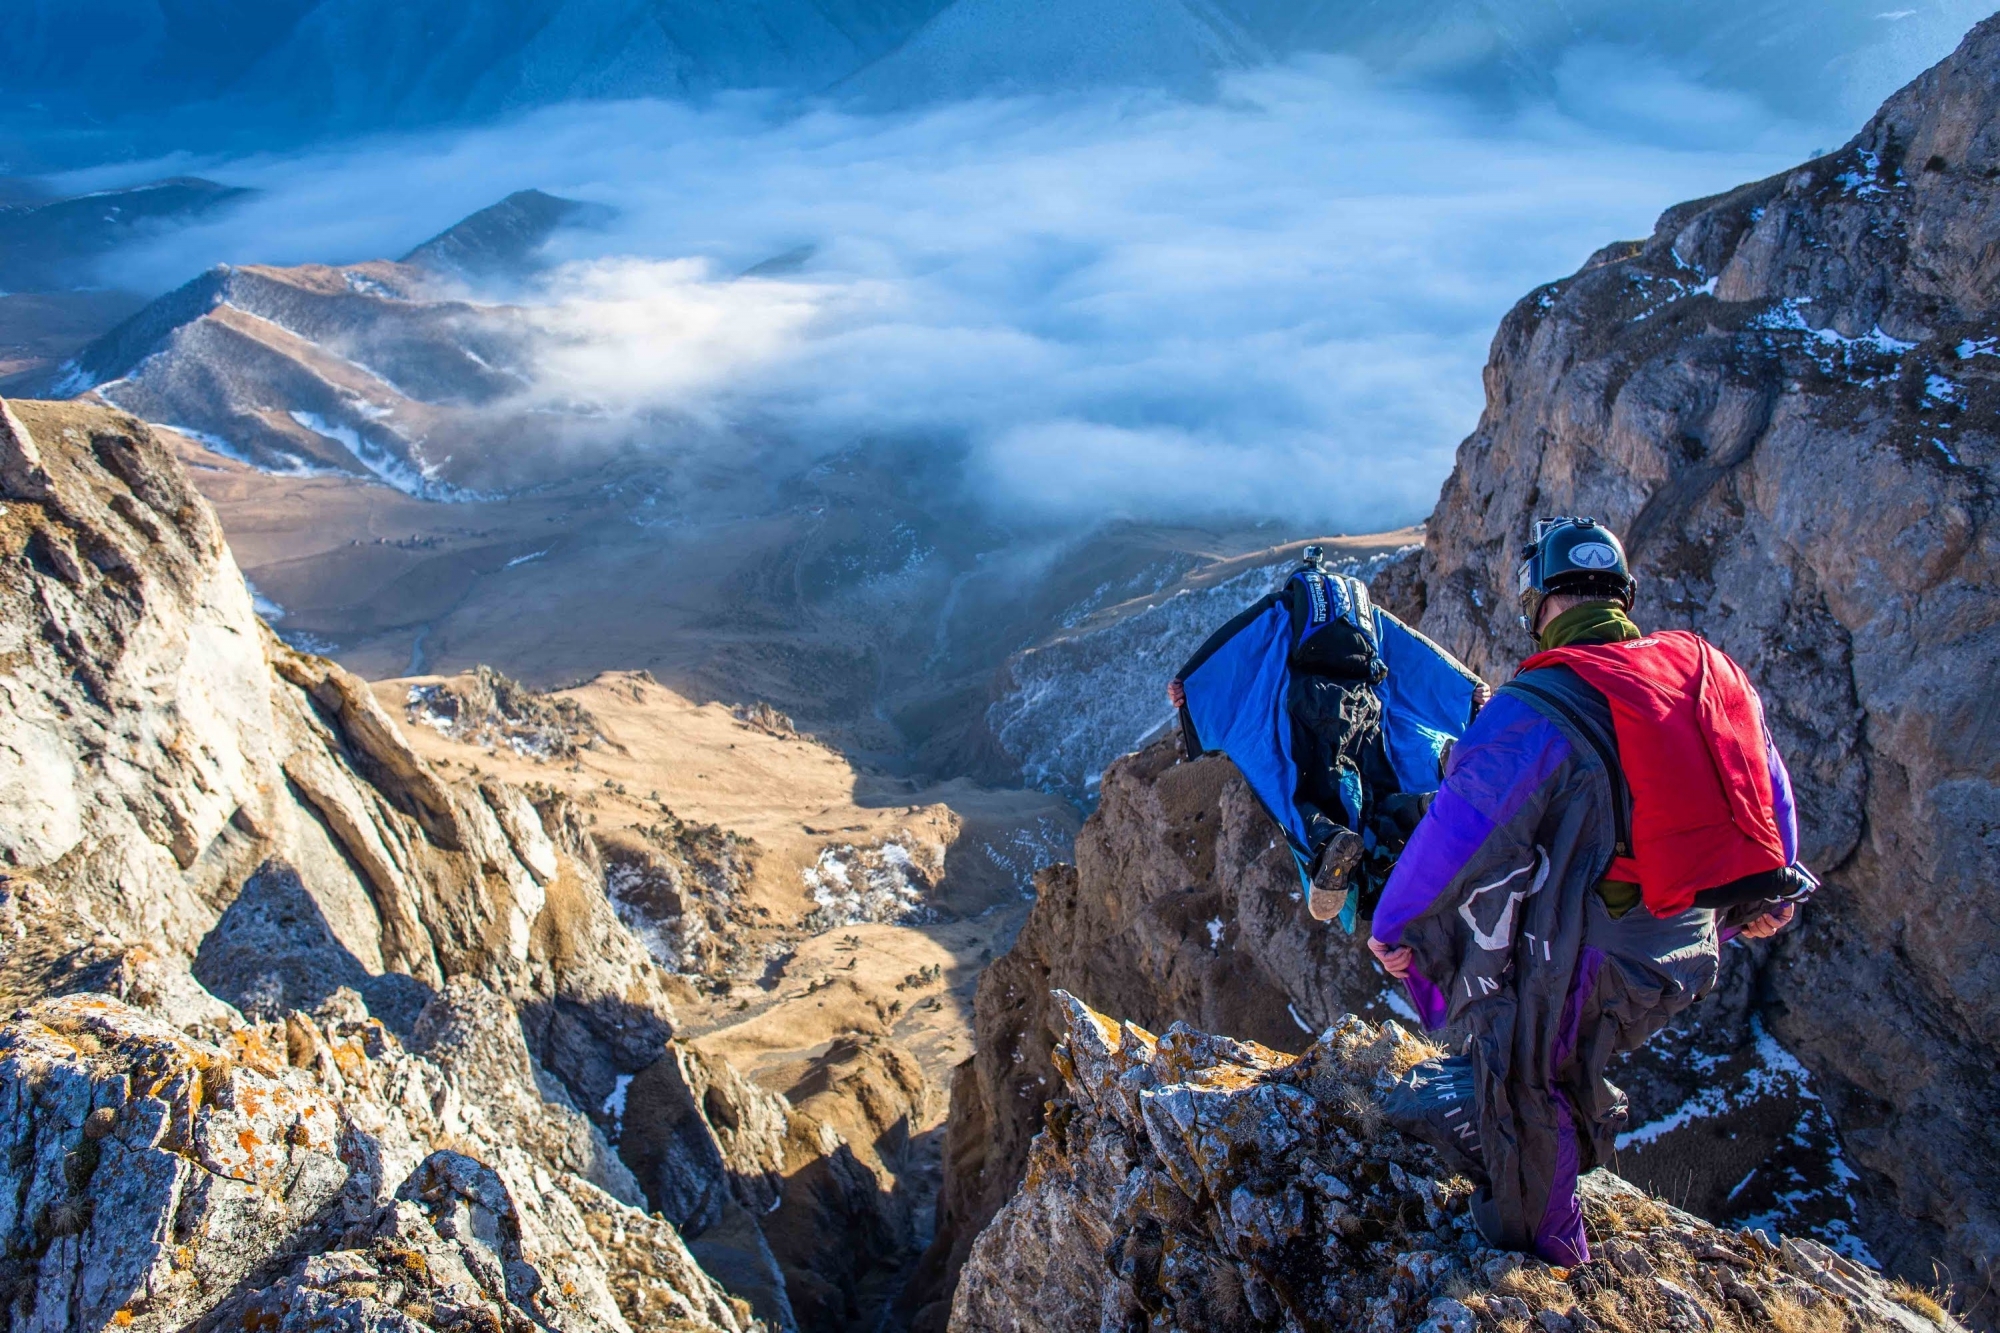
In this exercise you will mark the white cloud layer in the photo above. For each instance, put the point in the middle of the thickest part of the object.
(1273, 304)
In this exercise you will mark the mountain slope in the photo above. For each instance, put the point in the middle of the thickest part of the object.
(998, 47)
(326, 66)
(90, 79)
(364, 369)
(48, 245)
(309, 1031)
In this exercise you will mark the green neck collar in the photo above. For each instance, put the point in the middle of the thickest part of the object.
(1593, 622)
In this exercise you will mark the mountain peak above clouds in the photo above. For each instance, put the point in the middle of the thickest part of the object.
(502, 239)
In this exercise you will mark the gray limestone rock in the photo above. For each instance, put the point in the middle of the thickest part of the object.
(474, 1036)
(325, 1018)
(1194, 1181)
(146, 1174)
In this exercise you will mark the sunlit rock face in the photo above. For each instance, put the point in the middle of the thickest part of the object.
(295, 1175)
(1193, 1181)
(306, 1034)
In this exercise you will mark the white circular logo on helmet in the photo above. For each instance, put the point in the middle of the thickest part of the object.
(1593, 555)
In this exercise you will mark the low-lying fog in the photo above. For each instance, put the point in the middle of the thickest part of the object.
(1272, 303)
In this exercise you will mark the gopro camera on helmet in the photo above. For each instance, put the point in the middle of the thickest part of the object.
(1572, 555)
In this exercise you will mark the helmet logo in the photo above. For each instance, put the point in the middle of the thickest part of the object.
(1593, 555)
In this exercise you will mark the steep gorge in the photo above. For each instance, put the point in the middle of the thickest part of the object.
(314, 1032)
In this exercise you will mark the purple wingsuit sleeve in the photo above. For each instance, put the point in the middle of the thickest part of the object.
(1782, 801)
(1507, 754)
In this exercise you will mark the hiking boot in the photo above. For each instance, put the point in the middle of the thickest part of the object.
(1329, 883)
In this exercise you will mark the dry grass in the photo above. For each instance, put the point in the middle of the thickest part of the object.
(1362, 1111)
(1645, 1213)
(1535, 1285)
(1790, 1315)
(1932, 1303)
(1608, 1310)
(1407, 1055)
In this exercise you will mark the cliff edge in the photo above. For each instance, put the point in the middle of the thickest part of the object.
(1195, 1181)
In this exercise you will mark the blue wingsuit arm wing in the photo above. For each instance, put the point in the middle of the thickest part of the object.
(1426, 702)
(1238, 688)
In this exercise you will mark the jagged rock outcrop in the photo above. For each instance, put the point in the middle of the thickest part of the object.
(308, 1173)
(1183, 905)
(832, 1231)
(485, 708)
(1194, 1181)
(316, 1037)
(1786, 399)
(174, 777)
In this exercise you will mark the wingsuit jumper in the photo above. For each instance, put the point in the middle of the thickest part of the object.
(1337, 714)
(1616, 812)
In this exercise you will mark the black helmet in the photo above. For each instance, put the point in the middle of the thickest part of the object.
(1572, 555)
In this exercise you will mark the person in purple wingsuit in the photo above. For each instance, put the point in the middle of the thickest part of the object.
(1542, 911)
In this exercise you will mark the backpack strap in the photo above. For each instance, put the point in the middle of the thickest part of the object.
(1319, 601)
(1554, 699)
(1360, 608)
(1330, 596)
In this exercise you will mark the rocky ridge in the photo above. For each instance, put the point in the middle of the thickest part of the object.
(1183, 907)
(310, 1034)
(380, 374)
(1190, 1180)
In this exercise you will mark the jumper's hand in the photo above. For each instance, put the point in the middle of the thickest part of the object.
(1176, 694)
(1395, 960)
(1770, 923)
(1482, 695)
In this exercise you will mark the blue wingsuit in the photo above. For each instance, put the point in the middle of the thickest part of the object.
(1335, 712)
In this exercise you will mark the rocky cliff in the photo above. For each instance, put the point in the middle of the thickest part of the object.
(312, 1036)
(1786, 399)
(1194, 1181)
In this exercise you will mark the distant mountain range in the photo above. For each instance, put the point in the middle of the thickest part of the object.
(88, 80)
(48, 244)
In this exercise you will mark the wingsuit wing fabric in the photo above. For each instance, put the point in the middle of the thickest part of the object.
(1241, 683)
(1426, 701)
(1236, 705)
(1238, 689)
